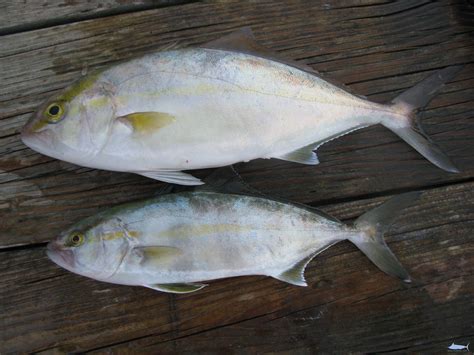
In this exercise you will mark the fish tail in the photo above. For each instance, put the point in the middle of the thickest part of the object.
(369, 234)
(406, 125)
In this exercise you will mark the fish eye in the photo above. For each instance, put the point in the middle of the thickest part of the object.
(75, 239)
(54, 112)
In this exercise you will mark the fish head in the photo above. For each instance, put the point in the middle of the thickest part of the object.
(91, 248)
(73, 125)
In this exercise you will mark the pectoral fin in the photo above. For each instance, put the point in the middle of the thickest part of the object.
(177, 288)
(155, 256)
(303, 155)
(146, 122)
(174, 177)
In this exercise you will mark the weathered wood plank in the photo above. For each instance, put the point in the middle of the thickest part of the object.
(348, 305)
(379, 49)
(59, 199)
(21, 16)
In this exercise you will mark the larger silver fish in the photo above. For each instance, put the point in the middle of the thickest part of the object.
(173, 242)
(227, 102)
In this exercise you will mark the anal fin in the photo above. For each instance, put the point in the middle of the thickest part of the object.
(306, 154)
(174, 177)
(303, 155)
(295, 274)
(177, 287)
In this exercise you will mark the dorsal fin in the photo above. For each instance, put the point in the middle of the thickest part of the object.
(243, 41)
(228, 180)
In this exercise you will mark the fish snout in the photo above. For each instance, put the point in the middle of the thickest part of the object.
(59, 255)
(33, 138)
(29, 127)
(54, 246)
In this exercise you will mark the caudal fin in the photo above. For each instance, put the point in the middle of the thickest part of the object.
(372, 226)
(409, 130)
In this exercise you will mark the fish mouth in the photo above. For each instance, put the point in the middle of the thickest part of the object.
(61, 257)
(35, 140)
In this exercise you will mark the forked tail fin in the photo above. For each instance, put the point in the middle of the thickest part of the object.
(370, 229)
(408, 129)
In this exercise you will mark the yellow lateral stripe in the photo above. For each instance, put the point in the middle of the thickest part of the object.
(119, 234)
(204, 229)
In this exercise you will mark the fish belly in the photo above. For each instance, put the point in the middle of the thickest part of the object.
(237, 109)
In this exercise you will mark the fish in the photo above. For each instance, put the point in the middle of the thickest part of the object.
(454, 346)
(175, 242)
(228, 101)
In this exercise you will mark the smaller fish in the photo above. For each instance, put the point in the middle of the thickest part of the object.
(454, 346)
(174, 242)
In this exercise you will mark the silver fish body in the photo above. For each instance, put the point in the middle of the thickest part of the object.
(183, 238)
(228, 107)
(207, 107)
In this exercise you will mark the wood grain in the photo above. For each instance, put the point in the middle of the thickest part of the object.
(349, 304)
(22, 16)
(378, 48)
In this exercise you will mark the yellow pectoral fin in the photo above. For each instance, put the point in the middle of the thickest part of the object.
(147, 122)
(156, 256)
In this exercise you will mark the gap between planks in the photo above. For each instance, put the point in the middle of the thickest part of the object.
(69, 19)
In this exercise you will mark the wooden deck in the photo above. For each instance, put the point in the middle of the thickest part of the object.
(378, 48)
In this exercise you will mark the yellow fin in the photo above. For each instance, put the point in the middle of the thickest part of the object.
(147, 122)
(156, 255)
